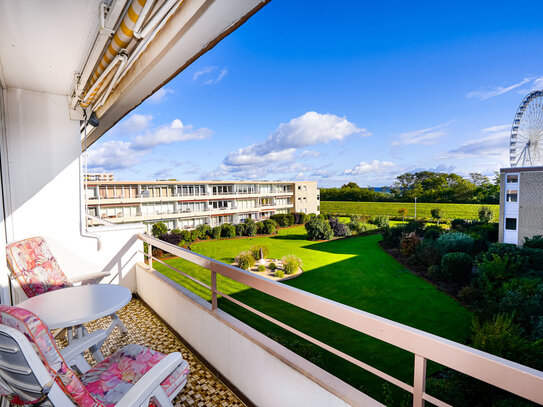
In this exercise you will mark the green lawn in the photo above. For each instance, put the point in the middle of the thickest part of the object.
(451, 211)
(354, 271)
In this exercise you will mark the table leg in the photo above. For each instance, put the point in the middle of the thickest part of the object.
(116, 321)
(94, 350)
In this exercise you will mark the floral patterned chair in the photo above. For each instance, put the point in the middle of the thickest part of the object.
(34, 371)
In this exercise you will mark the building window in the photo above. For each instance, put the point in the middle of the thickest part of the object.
(511, 196)
(510, 223)
(305, 188)
(299, 187)
(512, 179)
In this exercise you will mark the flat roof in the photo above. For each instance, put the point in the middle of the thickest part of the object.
(193, 182)
(520, 169)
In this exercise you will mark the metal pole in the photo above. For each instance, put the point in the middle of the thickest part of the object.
(415, 208)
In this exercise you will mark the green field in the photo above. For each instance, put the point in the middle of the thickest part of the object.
(353, 271)
(450, 211)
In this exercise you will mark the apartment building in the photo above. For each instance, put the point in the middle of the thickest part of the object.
(186, 205)
(521, 204)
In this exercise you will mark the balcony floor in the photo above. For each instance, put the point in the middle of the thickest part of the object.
(145, 328)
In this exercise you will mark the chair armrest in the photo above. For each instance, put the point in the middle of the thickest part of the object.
(92, 277)
(144, 387)
(80, 345)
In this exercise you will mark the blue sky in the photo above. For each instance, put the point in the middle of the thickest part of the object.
(338, 92)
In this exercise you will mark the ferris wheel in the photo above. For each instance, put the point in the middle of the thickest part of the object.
(526, 141)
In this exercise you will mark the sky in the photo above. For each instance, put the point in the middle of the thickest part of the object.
(337, 92)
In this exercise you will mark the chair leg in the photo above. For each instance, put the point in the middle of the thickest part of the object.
(116, 321)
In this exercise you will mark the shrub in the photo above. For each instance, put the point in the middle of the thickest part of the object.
(300, 218)
(260, 228)
(269, 227)
(318, 229)
(240, 229)
(460, 225)
(175, 232)
(262, 268)
(456, 267)
(338, 228)
(250, 227)
(272, 266)
(205, 230)
(432, 232)
(291, 263)
(281, 219)
(485, 214)
(357, 227)
(437, 214)
(415, 225)
(381, 221)
(392, 236)
(535, 242)
(426, 254)
(245, 260)
(403, 213)
(454, 242)
(434, 271)
(279, 273)
(216, 232)
(194, 235)
(409, 243)
(171, 238)
(185, 235)
(159, 229)
(255, 251)
(228, 230)
(289, 219)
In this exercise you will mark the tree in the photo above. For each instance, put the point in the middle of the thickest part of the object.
(318, 229)
(250, 227)
(437, 214)
(402, 212)
(159, 229)
(350, 185)
(485, 214)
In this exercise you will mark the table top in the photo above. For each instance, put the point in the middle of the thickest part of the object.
(77, 305)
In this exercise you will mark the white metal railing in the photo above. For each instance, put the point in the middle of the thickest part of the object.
(510, 376)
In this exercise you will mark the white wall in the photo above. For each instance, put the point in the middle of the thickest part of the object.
(40, 159)
(253, 363)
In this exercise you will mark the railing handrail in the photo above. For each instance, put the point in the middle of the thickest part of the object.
(510, 376)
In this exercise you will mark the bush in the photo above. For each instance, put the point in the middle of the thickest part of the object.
(216, 232)
(485, 214)
(272, 266)
(318, 229)
(456, 267)
(205, 230)
(259, 228)
(437, 214)
(291, 263)
(250, 227)
(415, 225)
(409, 243)
(392, 236)
(279, 273)
(426, 254)
(269, 227)
(432, 232)
(185, 235)
(159, 229)
(535, 242)
(175, 232)
(460, 225)
(283, 219)
(171, 238)
(228, 230)
(240, 229)
(454, 242)
(434, 271)
(262, 268)
(289, 219)
(245, 260)
(358, 227)
(194, 235)
(299, 218)
(338, 228)
(255, 251)
(380, 221)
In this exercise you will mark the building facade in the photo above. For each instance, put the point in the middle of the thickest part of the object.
(186, 205)
(98, 176)
(521, 204)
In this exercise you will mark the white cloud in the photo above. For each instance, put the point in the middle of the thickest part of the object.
(493, 145)
(374, 166)
(136, 123)
(500, 90)
(210, 75)
(113, 155)
(169, 133)
(159, 95)
(310, 153)
(259, 159)
(427, 136)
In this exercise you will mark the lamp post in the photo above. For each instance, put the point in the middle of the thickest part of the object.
(415, 208)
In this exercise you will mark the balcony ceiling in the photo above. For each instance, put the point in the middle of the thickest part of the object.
(43, 43)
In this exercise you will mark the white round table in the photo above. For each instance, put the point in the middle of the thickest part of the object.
(74, 306)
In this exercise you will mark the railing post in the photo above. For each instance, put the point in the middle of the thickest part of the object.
(213, 288)
(419, 381)
(150, 255)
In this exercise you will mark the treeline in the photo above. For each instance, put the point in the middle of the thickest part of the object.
(426, 186)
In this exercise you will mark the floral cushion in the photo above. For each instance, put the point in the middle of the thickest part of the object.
(112, 378)
(35, 267)
(39, 336)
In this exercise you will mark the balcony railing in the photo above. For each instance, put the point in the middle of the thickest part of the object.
(510, 376)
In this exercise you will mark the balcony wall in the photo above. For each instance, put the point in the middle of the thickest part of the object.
(264, 371)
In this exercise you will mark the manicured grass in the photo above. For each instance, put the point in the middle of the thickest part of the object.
(354, 271)
(450, 211)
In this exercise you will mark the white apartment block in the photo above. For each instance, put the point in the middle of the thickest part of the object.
(98, 176)
(186, 205)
